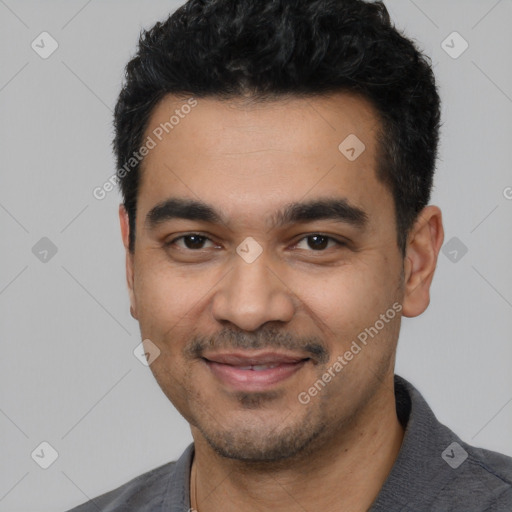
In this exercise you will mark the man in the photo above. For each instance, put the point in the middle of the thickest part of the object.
(276, 160)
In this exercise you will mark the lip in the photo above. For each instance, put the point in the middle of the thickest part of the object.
(233, 368)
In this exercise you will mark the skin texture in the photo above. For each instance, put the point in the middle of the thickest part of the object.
(265, 450)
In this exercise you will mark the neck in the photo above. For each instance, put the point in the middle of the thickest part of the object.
(342, 473)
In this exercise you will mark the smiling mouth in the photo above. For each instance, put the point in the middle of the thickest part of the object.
(254, 372)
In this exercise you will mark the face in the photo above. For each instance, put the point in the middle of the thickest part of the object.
(264, 253)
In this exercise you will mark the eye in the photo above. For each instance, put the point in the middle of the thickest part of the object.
(318, 242)
(192, 241)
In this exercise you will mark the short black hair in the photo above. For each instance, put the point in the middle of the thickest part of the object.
(267, 49)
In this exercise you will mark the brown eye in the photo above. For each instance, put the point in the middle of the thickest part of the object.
(192, 242)
(318, 242)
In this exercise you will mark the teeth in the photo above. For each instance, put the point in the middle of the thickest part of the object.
(258, 367)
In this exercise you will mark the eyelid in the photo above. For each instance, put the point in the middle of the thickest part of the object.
(338, 242)
(184, 235)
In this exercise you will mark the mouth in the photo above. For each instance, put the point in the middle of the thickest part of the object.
(254, 372)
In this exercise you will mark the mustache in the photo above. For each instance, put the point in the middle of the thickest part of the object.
(268, 338)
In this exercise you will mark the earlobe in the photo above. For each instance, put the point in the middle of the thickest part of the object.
(125, 235)
(423, 246)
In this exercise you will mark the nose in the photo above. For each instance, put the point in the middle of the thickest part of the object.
(252, 294)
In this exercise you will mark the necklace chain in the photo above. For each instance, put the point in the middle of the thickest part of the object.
(194, 487)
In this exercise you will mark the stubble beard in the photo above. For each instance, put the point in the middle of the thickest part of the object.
(258, 442)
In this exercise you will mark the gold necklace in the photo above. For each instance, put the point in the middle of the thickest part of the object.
(193, 504)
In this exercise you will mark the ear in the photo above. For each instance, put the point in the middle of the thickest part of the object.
(125, 234)
(423, 246)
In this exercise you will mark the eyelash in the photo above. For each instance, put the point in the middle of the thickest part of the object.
(339, 243)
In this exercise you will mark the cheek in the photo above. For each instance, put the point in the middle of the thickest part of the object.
(175, 380)
(350, 299)
(165, 298)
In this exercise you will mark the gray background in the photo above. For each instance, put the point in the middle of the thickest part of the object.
(68, 373)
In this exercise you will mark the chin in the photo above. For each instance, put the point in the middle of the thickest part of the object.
(261, 442)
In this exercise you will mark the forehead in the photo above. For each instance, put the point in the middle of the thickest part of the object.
(253, 157)
(223, 128)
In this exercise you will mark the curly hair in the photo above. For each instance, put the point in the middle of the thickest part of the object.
(266, 49)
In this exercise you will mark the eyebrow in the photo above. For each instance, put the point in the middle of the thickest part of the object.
(338, 210)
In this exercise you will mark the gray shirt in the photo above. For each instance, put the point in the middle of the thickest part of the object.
(435, 471)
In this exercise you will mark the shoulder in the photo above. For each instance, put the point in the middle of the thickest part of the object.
(143, 491)
(157, 490)
(436, 471)
(484, 477)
